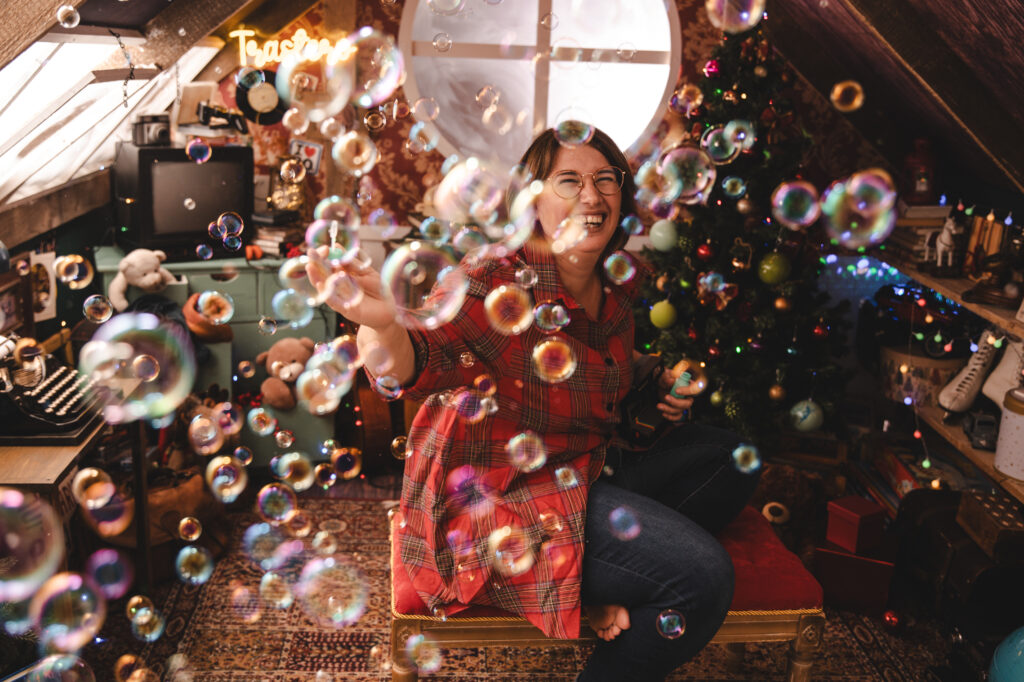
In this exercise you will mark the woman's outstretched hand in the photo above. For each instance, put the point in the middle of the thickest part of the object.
(355, 291)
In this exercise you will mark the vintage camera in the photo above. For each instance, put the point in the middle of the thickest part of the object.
(151, 130)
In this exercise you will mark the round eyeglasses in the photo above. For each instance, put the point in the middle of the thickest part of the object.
(569, 184)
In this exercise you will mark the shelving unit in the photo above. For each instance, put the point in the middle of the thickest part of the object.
(953, 289)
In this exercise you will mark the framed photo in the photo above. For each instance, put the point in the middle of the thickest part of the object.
(15, 304)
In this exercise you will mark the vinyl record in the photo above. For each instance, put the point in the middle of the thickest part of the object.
(261, 103)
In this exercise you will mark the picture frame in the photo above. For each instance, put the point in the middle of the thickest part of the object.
(16, 314)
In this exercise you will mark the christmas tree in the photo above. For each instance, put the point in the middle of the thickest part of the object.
(735, 287)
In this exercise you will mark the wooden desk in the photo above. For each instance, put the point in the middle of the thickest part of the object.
(38, 468)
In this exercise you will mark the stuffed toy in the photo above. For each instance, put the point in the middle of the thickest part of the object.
(284, 362)
(795, 502)
(142, 269)
(200, 325)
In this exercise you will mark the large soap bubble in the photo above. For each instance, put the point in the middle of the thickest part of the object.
(472, 191)
(332, 592)
(734, 16)
(151, 360)
(688, 175)
(849, 226)
(31, 544)
(68, 611)
(318, 87)
(409, 275)
(379, 67)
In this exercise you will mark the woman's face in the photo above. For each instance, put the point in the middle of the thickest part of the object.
(597, 213)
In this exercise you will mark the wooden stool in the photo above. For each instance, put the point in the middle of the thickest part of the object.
(776, 599)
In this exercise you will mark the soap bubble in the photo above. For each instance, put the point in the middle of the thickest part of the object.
(275, 591)
(742, 133)
(719, 146)
(204, 434)
(324, 475)
(139, 606)
(355, 153)
(97, 308)
(619, 267)
(267, 546)
(92, 488)
(795, 204)
(340, 238)
(74, 271)
(199, 150)
(216, 306)
(570, 232)
(509, 309)
(379, 67)
(110, 571)
(215, 230)
(631, 224)
(194, 564)
(318, 88)
(550, 316)
(203, 251)
(747, 458)
(276, 503)
(189, 203)
(167, 366)
(388, 387)
(384, 220)
(243, 454)
(871, 192)
(526, 451)
(284, 438)
(267, 326)
(566, 477)
(248, 77)
(400, 448)
(317, 392)
(292, 307)
(231, 222)
(549, 21)
(296, 121)
(232, 242)
(292, 171)
(61, 668)
(624, 523)
(111, 519)
(446, 7)
(554, 360)
(228, 418)
(409, 274)
(292, 275)
(442, 42)
(375, 120)
(332, 128)
(468, 405)
(226, 476)
(67, 610)
(425, 109)
(347, 462)
(332, 592)
(686, 99)
(245, 603)
(734, 16)
(847, 96)
(261, 421)
(190, 528)
(421, 139)
(471, 191)
(67, 16)
(850, 227)
(31, 542)
(671, 624)
(510, 550)
(688, 175)
(150, 628)
(571, 132)
(424, 652)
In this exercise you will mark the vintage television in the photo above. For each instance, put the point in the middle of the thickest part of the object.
(164, 200)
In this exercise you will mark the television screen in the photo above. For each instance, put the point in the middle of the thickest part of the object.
(188, 196)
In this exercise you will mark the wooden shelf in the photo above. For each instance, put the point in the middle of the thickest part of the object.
(982, 459)
(953, 288)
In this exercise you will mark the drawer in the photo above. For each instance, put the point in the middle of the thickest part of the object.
(239, 285)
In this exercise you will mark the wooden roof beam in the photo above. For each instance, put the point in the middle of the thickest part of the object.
(184, 23)
(22, 22)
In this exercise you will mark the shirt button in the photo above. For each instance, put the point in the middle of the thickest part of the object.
(609, 361)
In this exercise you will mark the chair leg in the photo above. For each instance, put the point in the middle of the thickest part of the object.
(802, 650)
(402, 668)
(734, 656)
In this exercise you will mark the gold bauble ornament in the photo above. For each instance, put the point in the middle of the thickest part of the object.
(717, 398)
(744, 206)
(777, 392)
(782, 304)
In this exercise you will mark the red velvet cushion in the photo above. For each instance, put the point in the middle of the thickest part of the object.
(768, 576)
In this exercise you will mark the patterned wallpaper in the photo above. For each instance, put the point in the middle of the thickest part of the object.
(400, 177)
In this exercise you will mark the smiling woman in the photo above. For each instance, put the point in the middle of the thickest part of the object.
(501, 72)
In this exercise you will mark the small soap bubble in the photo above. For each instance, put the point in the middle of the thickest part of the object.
(276, 503)
(284, 438)
(686, 99)
(194, 564)
(400, 447)
(292, 307)
(324, 475)
(747, 458)
(554, 360)
(332, 592)
(203, 251)
(204, 434)
(215, 230)
(266, 326)
(243, 455)
(719, 146)
(246, 369)
(265, 545)
(245, 603)
(146, 367)
(425, 109)
(526, 277)
(292, 170)
(566, 477)
(149, 629)
(261, 422)
(510, 550)
(332, 128)
(355, 153)
(509, 309)
(232, 242)
(216, 306)
(424, 652)
(297, 471)
(139, 606)
(734, 16)
(296, 121)
(619, 267)
(275, 590)
(231, 223)
(189, 528)
(526, 451)
(67, 16)
(189, 203)
(199, 150)
(445, 7)
(795, 204)
(74, 271)
(847, 96)
(671, 624)
(324, 543)
(571, 132)
(92, 488)
(624, 523)
(226, 476)
(442, 42)
(549, 21)
(248, 77)
(734, 187)
(111, 571)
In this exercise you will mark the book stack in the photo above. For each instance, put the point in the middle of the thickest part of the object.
(273, 239)
(913, 239)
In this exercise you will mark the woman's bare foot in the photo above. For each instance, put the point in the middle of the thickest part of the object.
(608, 620)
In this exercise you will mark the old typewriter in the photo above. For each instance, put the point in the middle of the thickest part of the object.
(42, 400)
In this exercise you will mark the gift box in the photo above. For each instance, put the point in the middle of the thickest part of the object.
(855, 524)
(851, 581)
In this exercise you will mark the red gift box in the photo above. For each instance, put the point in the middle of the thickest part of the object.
(855, 524)
(854, 582)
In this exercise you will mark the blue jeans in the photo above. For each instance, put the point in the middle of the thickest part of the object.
(682, 491)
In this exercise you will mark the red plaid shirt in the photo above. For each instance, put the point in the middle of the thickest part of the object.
(459, 485)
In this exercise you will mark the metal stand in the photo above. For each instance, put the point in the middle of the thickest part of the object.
(144, 572)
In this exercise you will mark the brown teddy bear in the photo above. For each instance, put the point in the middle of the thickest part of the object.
(143, 269)
(284, 362)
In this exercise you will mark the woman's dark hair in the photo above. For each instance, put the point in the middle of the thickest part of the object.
(539, 159)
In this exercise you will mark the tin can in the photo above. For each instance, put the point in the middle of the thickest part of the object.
(1010, 445)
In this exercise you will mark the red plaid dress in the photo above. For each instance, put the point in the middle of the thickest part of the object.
(459, 486)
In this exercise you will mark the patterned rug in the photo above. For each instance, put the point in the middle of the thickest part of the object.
(206, 638)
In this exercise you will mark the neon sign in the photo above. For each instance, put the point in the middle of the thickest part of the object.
(275, 51)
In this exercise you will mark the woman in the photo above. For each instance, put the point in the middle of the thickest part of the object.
(486, 519)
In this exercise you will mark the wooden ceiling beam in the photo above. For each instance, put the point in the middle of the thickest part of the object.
(29, 218)
(22, 22)
(172, 32)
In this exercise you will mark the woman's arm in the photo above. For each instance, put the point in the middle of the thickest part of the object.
(395, 339)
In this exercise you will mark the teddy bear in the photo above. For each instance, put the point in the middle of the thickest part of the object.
(284, 362)
(142, 269)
